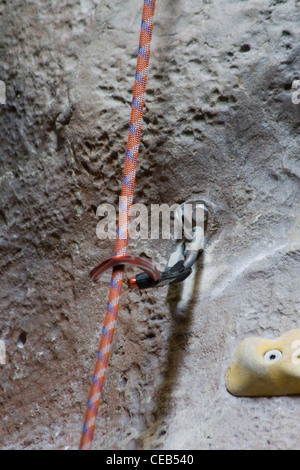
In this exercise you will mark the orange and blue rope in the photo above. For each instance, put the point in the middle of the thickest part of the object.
(129, 174)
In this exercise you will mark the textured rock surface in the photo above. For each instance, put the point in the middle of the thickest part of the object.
(219, 124)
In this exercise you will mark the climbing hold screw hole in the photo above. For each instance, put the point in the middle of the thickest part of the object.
(22, 339)
(273, 355)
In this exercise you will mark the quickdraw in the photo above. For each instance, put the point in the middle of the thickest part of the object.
(179, 266)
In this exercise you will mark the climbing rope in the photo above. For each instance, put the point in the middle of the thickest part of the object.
(129, 174)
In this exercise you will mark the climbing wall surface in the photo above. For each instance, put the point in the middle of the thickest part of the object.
(219, 124)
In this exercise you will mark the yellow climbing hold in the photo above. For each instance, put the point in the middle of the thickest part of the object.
(266, 367)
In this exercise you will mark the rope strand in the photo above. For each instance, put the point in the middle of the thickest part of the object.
(129, 174)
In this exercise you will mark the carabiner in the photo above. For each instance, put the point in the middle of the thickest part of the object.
(122, 260)
(186, 253)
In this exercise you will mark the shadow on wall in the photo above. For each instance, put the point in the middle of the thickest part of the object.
(180, 329)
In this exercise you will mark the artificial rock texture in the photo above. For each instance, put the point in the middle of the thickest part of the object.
(220, 125)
